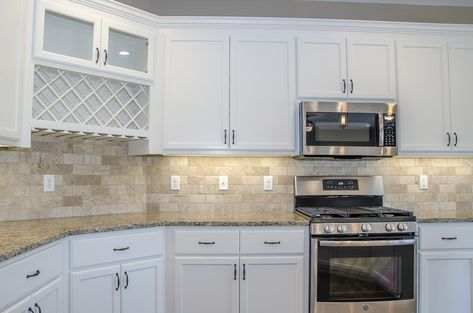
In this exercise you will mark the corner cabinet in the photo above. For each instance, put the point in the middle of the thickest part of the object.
(446, 268)
(75, 35)
(435, 122)
(118, 273)
(334, 67)
(227, 93)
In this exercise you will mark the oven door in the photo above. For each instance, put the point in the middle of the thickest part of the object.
(364, 275)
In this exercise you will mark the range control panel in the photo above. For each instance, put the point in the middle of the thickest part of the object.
(389, 130)
(340, 184)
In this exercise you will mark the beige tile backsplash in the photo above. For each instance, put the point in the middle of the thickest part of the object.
(99, 178)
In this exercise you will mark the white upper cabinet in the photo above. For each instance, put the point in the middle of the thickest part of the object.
(262, 96)
(227, 92)
(67, 34)
(321, 64)
(461, 105)
(75, 35)
(196, 91)
(12, 35)
(423, 96)
(333, 67)
(371, 69)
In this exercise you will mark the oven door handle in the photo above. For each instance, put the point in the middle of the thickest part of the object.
(367, 243)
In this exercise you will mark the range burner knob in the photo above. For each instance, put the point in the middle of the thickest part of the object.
(390, 227)
(342, 228)
(329, 228)
(366, 228)
(402, 226)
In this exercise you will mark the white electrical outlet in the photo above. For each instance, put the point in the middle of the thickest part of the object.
(48, 183)
(423, 182)
(268, 183)
(223, 183)
(175, 183)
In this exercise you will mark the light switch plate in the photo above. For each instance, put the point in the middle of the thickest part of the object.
(175, 183)
(223, 183)
(423, 182)
(48, 183)
(268, 183)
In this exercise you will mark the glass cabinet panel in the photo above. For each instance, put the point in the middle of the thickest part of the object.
(127, 51)
(68, 36)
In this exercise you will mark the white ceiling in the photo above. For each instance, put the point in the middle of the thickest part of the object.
(411, 2)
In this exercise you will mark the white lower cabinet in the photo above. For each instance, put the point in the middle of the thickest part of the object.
(445, 268)
(271, 284)
(206, 284)
(222, 275)
(48, 299)
(134, 282)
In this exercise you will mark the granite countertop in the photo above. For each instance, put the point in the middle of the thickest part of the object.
(17, 237)
(454, 217)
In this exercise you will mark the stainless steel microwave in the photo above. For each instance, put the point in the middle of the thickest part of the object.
(347, 129)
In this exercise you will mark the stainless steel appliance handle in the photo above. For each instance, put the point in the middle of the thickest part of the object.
(367, 243)
(381, 129)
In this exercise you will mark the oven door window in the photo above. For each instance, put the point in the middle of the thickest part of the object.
(359, 274)
(342, 129)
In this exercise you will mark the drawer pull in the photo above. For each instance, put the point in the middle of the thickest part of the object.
(121, 249)
(244, 271)
(234, 272)
(206, 243)
(272, 242)
(449, 238)
(38, 307)
(33, 275)
(30, 310)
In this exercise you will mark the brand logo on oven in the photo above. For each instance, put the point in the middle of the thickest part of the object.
(366, 308)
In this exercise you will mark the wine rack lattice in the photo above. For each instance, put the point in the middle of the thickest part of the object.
(70, 97)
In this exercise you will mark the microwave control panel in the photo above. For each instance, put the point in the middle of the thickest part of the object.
(389, 121)
(340, 184)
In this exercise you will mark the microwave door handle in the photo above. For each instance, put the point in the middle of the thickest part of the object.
(381, 129)
(367, 243)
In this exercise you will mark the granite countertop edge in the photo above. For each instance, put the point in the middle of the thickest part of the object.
(130, 226)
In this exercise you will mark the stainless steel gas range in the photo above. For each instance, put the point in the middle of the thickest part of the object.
(363, 255)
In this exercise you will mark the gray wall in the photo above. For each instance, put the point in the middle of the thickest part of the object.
(307, 9)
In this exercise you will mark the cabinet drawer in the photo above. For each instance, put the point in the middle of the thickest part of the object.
(272, 241)
(446, 236)
(28, 274)
(206, 242)
(94, 251)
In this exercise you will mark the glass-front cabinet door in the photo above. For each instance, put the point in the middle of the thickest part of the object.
(127, 50)
(67, 34)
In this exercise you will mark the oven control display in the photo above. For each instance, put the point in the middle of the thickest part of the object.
(340, 184)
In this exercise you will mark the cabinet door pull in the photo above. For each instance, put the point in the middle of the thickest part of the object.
(98, 56)
(449, 238)
(449, 139)
(233, 137)
(344, 85)
(225, 136)
(456, 139)
(352, 86)
(234, 272)
(30, 310)
(33, 275)
(244, 272)
(118, 282)
(272, 242)
(126, 280)
(106, 57)
(38, 307)
(121, 249)
(206, 243)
